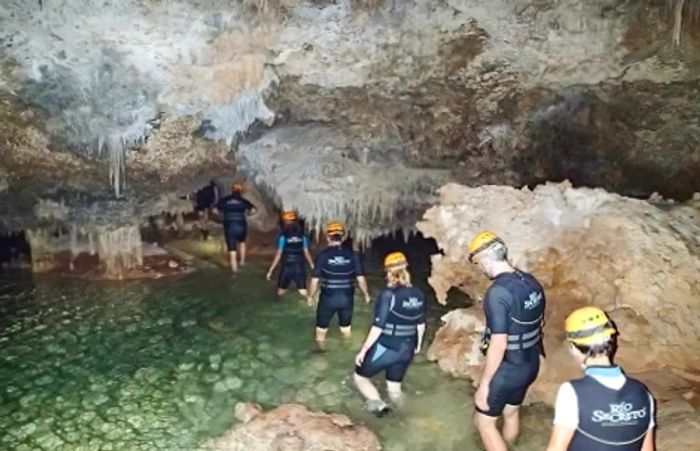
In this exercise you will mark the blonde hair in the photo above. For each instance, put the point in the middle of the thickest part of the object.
(398, 276)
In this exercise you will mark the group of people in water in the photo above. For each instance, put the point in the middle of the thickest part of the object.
(603, 410)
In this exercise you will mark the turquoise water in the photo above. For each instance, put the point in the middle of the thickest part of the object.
(159, 365)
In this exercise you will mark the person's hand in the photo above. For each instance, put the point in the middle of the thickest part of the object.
(368, 299)
(360, 357)
(310, 301)
(481, 397)
(269, 275)
(417, 350)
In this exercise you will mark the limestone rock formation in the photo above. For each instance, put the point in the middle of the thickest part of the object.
(639, 260)
(292, 427)
(152, 96)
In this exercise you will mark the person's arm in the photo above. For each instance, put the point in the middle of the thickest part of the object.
(648, 444)
(360, 276)
(560, 439)
(421, 326)
(565, 418)
(307, 254)
(381, 314)
(496, 304)
(278, 256)
(275, 261)
(313, 284)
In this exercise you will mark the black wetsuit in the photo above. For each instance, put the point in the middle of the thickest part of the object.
(514, 305)
(337, 269)
(398, 312)
(234, 208)
(292, 242)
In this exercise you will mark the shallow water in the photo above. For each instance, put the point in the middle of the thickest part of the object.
(159, 365)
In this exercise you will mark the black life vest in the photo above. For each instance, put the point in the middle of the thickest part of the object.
(293, 246)
(338, 270)
(234, 209)
(527, 316)
(610, 419)
(405, 312)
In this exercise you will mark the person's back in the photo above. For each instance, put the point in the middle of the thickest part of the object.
(233, 208)
(516, 300)
(404, 308)
(337, 271)
(614, 411)
(293, 242)
(604, 410)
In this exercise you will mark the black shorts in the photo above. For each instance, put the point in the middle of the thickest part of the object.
(292, 272)
(235, 233)
(509, 386)
(394, 362)
(341, 303)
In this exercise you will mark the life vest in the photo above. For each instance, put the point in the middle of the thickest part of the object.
(338, 270)
(293, 246)
(405, 312)
(527, 316)
(610, 419)
(234, 208)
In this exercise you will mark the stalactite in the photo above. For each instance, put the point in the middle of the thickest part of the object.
(42, 249)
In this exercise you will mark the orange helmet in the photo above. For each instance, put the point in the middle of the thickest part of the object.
(335, 228)
(237, 187)
(395, 260)
(289, 216)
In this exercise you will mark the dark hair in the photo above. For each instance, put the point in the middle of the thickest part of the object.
(607, 348)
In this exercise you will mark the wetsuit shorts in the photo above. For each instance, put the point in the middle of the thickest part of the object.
(235, 233)
(394, 362)
(341, 303)
(292, 272)
(509, 386)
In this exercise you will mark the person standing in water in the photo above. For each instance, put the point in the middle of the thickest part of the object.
(395, 337)
(206, 199)
(604, 410)
(292, 248)
(336, 268)
(234, 209)
(514, 306)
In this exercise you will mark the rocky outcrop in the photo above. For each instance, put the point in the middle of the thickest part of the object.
(639, 260)
(293, 427)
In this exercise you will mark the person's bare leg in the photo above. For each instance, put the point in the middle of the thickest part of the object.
(280, 292)
(393, 389)
(241, 248)
(233, 261)
(346, 332)
(490, 436)
(367, 388)
(303, 292)
(321, 335)
(511, 423)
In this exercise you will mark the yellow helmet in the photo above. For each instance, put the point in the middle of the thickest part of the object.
(395, 260)
(588, 326)
(236, 187)
(289, 216)
(335, 228)
(481, 242)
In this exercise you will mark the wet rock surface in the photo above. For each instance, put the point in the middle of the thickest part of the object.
(636, 259)
(294, 427)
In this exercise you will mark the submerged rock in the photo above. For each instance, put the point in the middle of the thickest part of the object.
(292, 427)
(638, 260)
